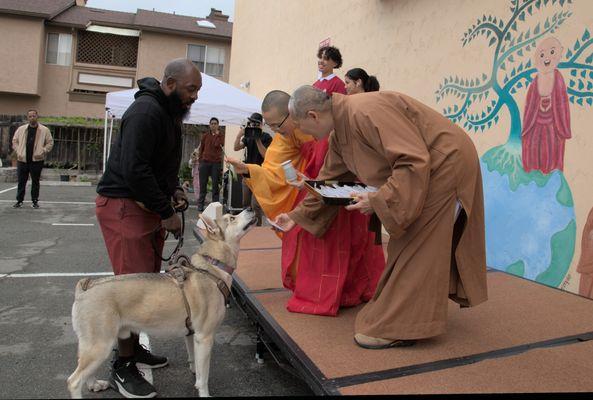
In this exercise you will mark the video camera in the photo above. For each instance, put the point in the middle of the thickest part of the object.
(252, 129)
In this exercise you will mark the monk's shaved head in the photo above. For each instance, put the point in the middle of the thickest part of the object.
(276, 99)
(179, 68)
(307, 98)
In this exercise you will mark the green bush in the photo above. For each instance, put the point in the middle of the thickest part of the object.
(185, 173)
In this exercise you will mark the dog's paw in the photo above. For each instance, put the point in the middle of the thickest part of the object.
(98, 385)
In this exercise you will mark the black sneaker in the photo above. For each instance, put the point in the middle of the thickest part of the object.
(35, 204)
(145, 359)
(130, 382)
(18, 204)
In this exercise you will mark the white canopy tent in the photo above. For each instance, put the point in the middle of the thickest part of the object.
(215, 99)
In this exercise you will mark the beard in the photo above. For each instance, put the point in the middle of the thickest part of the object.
(176, 106)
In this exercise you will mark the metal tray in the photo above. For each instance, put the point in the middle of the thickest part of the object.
(311, 186)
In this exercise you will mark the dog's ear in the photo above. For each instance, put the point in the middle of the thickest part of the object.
(211, 226)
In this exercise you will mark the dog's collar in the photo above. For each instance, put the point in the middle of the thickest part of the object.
(217, 263)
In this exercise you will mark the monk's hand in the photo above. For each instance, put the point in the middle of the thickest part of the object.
(361, 204)
(300, 182)
(284, 222)
(240, 167)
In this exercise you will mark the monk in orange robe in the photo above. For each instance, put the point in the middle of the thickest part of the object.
(342, 267)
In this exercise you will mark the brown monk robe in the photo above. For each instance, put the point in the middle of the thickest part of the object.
(422, 164)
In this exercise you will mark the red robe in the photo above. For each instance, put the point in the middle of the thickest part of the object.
(340, 269)
(546, 125)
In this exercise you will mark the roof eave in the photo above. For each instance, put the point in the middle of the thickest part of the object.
(71, 4)
(65, 24)
(184, 33)
(24, 13)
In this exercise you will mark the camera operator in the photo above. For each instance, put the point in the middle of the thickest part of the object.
(255, 142)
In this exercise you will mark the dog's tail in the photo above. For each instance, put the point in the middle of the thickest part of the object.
(81, 286)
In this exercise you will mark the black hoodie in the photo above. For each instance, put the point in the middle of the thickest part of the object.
(145, 159)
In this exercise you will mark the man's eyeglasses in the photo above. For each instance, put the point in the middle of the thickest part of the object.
(275, 127)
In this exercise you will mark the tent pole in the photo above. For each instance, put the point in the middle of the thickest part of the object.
(110, 135)
(105, 140)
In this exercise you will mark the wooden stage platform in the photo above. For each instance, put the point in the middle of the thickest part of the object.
(526, 338)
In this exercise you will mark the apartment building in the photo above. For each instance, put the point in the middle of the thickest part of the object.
(62, 57)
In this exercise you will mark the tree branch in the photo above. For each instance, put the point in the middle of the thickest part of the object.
(464, 89)
(462, 110)
(514, 80)
(526, 42)
(573, 65)
(485, 26)
(581, 49)
(489, 116)
(576, 93)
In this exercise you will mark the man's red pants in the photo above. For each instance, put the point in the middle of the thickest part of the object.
(131, 235)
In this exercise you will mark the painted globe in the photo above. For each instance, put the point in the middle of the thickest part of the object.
(529, 217)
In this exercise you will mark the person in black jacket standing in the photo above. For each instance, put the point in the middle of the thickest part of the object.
(137, 195)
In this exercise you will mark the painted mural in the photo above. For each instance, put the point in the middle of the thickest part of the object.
(530, 218)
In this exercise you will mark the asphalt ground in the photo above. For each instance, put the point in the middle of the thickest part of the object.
(40, 263)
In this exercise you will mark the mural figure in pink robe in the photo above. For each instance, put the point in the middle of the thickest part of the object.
(546, 120)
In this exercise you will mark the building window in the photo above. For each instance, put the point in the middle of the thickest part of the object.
(214, 61)
(59, 49)
(197, 54)
(107, 49)
(209, 60)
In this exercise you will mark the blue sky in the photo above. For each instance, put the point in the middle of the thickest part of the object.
(194, 8)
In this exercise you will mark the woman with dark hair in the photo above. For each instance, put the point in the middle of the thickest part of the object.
(329, 57)
(358, 81)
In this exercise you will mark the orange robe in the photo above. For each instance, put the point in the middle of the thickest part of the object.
(340, 269)
(267, 181)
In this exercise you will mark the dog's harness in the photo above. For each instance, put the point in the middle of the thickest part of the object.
(178, 274)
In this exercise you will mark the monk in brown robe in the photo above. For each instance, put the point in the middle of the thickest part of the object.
(429, 200)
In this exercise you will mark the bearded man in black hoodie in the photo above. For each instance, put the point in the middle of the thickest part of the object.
(137, 195)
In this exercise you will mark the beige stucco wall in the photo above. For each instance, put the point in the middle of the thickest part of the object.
(157, 49)
(21, 51)
(410, 45)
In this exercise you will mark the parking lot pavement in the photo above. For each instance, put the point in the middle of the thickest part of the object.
(43, 253)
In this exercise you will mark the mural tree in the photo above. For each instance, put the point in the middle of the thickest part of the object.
(530, 223)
